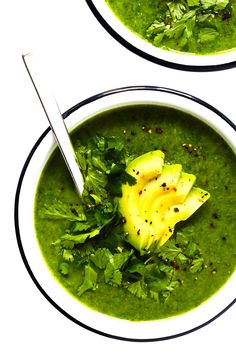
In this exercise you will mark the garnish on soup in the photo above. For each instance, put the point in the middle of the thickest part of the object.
(162, 196)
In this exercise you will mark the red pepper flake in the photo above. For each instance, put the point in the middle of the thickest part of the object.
(140, 192)
(159, 130)
(206, 182)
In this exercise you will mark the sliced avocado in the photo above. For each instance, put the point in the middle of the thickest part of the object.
(166, 181)
(160, 206)
(180, 212)
(144, 168)
(147, 166)
(162, 196)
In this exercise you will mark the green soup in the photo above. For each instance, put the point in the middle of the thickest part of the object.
(192, 26)
(208, 235)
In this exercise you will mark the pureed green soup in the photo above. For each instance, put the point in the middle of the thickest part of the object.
(86, 247)
(191, 26)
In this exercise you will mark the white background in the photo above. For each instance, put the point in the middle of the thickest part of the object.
(83, 59)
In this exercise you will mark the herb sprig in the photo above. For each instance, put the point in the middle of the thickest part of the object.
(181, 19)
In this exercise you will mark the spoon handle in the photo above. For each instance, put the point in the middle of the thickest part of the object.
(55, 119)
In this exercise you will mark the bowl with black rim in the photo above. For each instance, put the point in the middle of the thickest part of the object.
(185, 35)
(35, 258)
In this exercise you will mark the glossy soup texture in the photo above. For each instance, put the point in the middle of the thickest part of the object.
(201, 151)
(198, 27)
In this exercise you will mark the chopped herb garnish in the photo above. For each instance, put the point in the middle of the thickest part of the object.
(181, 20)
(95, 242)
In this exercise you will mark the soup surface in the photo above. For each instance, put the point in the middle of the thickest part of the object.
(192, 26)
(85, 246)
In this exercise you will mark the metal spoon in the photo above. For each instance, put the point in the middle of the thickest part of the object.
(55, 119)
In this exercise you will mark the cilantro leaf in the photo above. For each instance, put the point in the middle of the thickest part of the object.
(68, 255)
(207, 3)
(64, 268)
(81, 238)
(90, 280)
(101, 257)
(207, 35)
(197, 265)
(192, 3)
(137, 289)
(221, 4)
(112, 272)
(59, 210)
(169, 251)
(177, 10)
(127, 178)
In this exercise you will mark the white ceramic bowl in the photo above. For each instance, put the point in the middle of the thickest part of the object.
(177, 60)
(29, 248)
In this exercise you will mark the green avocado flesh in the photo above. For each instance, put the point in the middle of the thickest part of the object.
(86, 248)
(191, 26)
(161, 197)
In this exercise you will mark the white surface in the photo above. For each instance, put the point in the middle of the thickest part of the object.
(82, 60)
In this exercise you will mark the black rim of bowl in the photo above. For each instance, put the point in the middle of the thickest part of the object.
(151, 58)
(18, 192)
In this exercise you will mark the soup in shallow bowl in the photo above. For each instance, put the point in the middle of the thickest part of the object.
(109, 261)
(190, 35)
